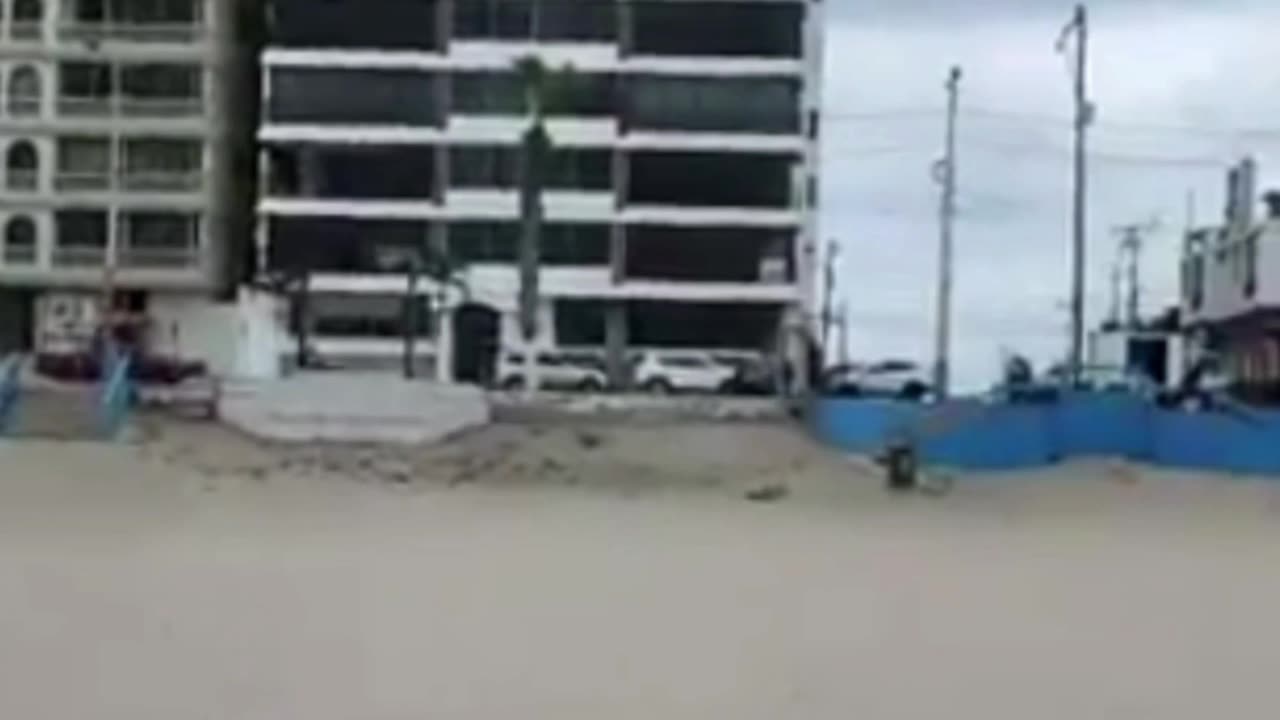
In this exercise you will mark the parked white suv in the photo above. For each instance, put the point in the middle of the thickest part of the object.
(665, 372)
(556, 371)
(893, 378)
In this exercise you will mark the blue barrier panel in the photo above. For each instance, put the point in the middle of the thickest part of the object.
(861, 426)
(1218, 441)
(1101, 424)
(979, 436)
(1000, 437)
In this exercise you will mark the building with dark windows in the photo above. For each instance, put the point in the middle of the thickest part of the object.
(680, 192)
(125, 130)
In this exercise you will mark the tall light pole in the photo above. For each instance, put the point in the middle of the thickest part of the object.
(1079, 29)
(947, 214)
(828, 291)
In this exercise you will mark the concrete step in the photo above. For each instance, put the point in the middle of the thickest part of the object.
(57, 415)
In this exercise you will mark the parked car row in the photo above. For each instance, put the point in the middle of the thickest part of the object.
(655, 372)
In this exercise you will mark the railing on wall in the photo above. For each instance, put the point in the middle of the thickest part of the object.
(116, 396)
(10, 379)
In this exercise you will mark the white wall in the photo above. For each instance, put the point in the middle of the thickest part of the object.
(244, 339)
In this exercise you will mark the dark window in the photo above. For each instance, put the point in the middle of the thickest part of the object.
(368, 316)
(711, 179)
(580, 323)
(161, 81)
(81, 228)
(86, 80)
(28, 11)
(479, 242)
(704, 326)
(353, 171)
(375, 24)
(563, 20)
(385, 97)
(575, 244)
(499, 167)
(503, 93)
(710, 254)
(324, 244)
(718, 28)
(767, 105)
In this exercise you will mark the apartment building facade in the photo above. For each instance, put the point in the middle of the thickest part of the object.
(1231, 288)
(116, 119)
(680, 192)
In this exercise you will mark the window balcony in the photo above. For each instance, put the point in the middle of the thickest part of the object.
(72, 181)
(20, 255)
(133, 107)
(162, 180)
(148, 33)
(159, 258)
(29, 30)
(79, 257)
(23, 180)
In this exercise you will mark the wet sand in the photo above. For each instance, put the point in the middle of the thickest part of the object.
(200, 575)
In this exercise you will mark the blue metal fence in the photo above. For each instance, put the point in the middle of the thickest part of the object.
(999, 436)
(116, 396)
(10, 381)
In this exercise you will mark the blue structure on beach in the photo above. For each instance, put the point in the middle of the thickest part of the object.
(978, 435)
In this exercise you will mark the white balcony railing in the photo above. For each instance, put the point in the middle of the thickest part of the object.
(99, 32)
(162, 181)
(23, 180)
(26, 30)
(130, 106)
(160, 107)
(81, 180)
(79, 257)
(20, 255)
(159, 258)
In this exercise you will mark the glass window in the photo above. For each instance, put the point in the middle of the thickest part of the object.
(556, 20)
(22, 166)
(374, 24)
(25, 90)
(769, 105)
(369, 316)
(86, 80)
(81, 228)
(503, 93)
(499, 167)
(387, 97)
(484, 242)
(158, 80)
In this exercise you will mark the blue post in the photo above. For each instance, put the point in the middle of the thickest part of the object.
(10, 379)
(117, 392)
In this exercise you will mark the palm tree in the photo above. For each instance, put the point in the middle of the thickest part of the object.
(438, 267)
(542, 90)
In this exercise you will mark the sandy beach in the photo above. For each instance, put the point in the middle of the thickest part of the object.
(610, 572)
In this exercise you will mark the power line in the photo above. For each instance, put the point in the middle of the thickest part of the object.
(1066, 122)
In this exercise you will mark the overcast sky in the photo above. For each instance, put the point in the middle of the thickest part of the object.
(1182, 87)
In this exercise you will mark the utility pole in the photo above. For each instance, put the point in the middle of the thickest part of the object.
(828, 291)
(1130, 259)
(1079, 27)
(947, 172)
(842, 346)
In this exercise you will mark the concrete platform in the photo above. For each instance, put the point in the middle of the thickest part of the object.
(352, 408)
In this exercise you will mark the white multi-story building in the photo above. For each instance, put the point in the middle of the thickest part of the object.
(680, 201)
(1231, 288)
(117, 133)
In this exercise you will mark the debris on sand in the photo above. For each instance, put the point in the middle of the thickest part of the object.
(589, 440)
(768, 493)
